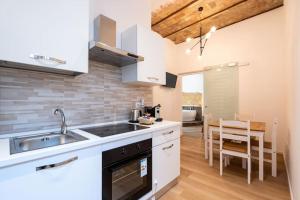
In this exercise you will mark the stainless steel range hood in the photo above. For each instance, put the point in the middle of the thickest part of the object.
(104, 50)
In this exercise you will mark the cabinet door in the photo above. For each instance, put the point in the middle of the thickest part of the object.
(52, 28)
(166, 163)
(151, 46)
(77, 177)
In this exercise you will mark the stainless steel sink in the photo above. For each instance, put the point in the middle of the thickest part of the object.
(33, 142)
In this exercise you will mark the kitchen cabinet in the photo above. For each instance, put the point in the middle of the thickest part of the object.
(150, 45)
(76, 176)
(166, 158)
(49, 35)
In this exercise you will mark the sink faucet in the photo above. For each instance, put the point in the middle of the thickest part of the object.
(63, 129)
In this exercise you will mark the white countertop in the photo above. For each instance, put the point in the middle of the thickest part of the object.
(7, 160)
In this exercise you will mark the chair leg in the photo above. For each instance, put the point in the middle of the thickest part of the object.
(249, 170)
(244, 163)
(225, 161)
(274, 164)
(221, 164)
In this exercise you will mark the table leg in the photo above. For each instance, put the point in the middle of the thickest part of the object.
(261, 157)
(211, 159)
(205, 144)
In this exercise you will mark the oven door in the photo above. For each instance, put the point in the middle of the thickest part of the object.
(129, 179)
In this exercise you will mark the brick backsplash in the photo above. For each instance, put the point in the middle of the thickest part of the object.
(28, 98)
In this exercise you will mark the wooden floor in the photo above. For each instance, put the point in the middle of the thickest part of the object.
(198, 181)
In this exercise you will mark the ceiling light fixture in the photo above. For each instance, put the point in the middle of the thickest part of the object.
(202, 39)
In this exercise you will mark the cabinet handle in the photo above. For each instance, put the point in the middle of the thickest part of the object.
(169, 147)
(167, 133)
(153, 78)
(40, 57)
(56, 164)
(133, 55)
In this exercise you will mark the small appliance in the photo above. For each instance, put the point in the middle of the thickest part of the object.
(154, 112)
(135, 114)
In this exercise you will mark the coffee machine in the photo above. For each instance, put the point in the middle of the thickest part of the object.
(154, 112)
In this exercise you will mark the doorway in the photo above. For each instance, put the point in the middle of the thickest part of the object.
(214, 91)
(192, 103)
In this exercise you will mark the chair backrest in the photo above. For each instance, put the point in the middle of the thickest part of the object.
(240, 133)
(243, 116)
(274, 134)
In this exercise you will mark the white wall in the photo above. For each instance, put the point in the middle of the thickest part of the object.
(126, 13)
(260, 41)
(192, 83)
(169, 98)
(292, 140)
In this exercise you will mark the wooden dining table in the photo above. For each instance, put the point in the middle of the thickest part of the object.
(257, 129)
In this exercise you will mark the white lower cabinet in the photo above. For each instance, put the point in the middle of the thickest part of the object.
(74, 175)
(166, 163)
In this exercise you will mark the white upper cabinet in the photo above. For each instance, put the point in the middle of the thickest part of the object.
(49, 35)
(150, 45)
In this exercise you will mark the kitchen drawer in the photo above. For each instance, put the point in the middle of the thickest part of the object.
(166, 164)
(165, 135)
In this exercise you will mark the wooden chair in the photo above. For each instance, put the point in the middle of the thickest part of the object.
(229, 148)
(269, 148)
(244, 117)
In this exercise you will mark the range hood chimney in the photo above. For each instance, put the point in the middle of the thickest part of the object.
(103, 48)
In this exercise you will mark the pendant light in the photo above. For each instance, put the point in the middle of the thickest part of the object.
(202, 39)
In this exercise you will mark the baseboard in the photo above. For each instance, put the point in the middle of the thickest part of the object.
(288, 176)
(165, 189)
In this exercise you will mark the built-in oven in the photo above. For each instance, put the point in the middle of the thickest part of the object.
(127, 171)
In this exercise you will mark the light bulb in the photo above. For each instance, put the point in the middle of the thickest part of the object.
(188, 51)
(213, 29)
(188, 39)
(199, 57)
(207, 36)
(219, 69)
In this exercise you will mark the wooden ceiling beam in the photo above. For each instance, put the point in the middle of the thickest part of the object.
(205, 18)
(246, 18)
(220, 13)
(175, 12)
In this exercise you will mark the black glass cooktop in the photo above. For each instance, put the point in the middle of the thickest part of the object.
(113, 129)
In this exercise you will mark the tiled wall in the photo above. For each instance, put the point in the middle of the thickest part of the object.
(28, 99)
